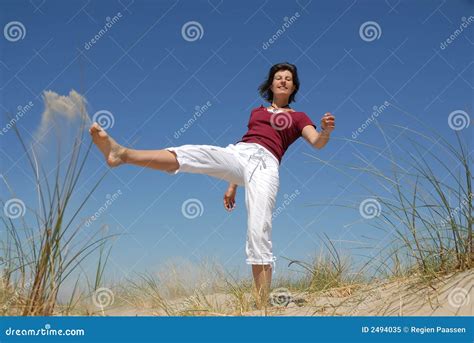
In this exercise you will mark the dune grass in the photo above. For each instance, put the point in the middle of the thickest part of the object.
(37, 259)
(425, 235)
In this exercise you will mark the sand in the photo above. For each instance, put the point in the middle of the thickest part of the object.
(448, 296)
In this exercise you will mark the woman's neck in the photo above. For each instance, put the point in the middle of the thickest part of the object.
(280, 103)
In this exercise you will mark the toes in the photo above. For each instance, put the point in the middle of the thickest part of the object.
(92, 129)
(97, 129)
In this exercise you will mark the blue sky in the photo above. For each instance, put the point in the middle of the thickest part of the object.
(150, 78)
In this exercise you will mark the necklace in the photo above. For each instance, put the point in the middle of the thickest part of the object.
(275, 109)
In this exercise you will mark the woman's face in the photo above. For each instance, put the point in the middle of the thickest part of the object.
(282, 84)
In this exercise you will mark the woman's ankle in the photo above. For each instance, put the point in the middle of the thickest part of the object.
(124, 154)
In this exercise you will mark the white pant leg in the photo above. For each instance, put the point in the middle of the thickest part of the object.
(261, 188)
(245, 164)
(215, 161)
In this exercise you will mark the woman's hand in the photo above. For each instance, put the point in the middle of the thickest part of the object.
(229, 197)
(328, 122)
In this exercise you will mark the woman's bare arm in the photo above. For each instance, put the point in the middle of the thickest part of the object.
(229, 197)
(320, 139)
(317, 139)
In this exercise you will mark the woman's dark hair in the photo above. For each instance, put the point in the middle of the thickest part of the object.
(265, 88)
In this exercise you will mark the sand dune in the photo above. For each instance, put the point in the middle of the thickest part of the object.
(451, 295)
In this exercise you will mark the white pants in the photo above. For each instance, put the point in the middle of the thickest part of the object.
(245, 164)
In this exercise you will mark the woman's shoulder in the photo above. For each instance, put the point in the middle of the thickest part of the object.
(259, 108)
(299, 112)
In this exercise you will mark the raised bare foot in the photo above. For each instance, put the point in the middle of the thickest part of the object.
(113, 152)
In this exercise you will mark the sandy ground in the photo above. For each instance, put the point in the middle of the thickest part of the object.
(449, 296)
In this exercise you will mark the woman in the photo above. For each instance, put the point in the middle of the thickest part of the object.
(252, 162)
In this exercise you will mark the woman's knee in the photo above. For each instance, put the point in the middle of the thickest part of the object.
(174, 164)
